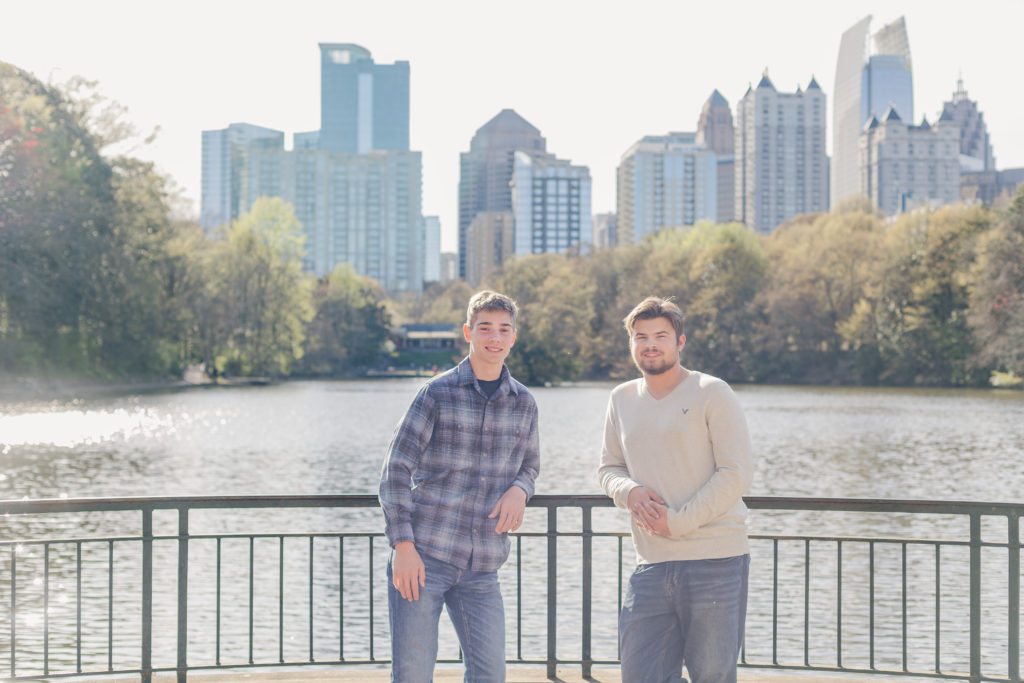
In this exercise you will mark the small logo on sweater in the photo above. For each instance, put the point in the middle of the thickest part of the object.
(685, 411)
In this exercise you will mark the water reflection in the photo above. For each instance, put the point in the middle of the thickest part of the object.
(329, 437)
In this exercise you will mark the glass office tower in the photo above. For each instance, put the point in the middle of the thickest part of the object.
(363, 105)
(872, 72)
(886, 81)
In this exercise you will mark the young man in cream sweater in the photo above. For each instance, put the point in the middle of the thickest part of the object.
(676, 454)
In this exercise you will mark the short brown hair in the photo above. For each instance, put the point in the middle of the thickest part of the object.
(655, 307)
(490, 301)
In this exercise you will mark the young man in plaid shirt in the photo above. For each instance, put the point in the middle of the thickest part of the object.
(455, 482)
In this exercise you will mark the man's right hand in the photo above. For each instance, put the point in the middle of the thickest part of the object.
(407, 571)
(648, 509)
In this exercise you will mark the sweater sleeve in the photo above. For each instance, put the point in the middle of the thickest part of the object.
(731, 450)
(613, 471)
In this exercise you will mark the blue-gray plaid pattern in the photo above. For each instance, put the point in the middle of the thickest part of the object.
(451, 458)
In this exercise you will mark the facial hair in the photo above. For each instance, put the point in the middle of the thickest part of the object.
(661, 369)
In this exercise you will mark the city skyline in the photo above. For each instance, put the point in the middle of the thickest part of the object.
(592, 83)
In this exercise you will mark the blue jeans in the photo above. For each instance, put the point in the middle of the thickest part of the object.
(476, 609)
(687, 612)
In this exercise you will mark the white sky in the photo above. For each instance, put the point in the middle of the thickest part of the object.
(593, 75)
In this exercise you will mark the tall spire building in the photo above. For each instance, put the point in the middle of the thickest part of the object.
(715, 132)
(485, 171)
(872, 73)
(975, 146)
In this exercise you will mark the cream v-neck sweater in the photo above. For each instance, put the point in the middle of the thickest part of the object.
(693, 448)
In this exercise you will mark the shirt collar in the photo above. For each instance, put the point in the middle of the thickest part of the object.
(467, 378)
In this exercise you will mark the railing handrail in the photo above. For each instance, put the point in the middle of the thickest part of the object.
(788, 503)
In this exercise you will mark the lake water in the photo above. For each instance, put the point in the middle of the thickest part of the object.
(330, 437)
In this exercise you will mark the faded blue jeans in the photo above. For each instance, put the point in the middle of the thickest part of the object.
(688, 612)
(476, 609)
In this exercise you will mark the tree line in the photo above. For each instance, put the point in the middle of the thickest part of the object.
(931, 298)
(99, 279)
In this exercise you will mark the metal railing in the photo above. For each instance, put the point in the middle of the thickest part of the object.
(83, 597)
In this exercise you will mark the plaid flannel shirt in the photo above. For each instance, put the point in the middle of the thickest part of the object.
(451, 458)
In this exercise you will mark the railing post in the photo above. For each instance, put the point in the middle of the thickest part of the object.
(588, 571)
(14, 607)
(975, 632)
(552, 663)
(147, 594)
(182, 594)
(1013, 533)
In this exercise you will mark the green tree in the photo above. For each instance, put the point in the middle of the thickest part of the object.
(996, 307)
(554, 315)
(57, 206)
(350, 326)
(438, 303)
(261, 291)
(725, 275)
(83, 238)
(916, 314)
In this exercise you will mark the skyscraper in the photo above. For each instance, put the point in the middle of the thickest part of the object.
(664, 181)
(363, 105)
(355, 186)
(485, 171)
(715, 131)
(975, 146)
(872, 72)
(781, 167)
(550, 205)
(904, 166)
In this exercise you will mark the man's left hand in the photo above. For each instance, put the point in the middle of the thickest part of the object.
(658, 525)
(509, 510)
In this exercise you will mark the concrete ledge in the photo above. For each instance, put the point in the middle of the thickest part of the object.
(454, 674)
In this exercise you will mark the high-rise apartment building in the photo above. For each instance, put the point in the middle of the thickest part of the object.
(664, 181)
(489, 243)
(904, 166)
(781, 166)
(716, 132)
(363, 209)
(354, 185)
(225, 162)
(550, 205)
(485, 171)
(872, 73)
(363, 105)
(975, 146)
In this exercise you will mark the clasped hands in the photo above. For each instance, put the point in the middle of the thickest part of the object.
(649, 510)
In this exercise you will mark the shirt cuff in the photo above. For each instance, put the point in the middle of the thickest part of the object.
(399, 533)
(525, 485)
